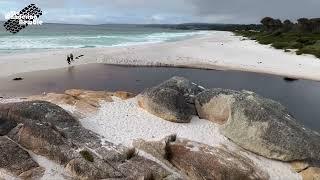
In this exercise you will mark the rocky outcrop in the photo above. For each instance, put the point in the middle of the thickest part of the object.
(82, 102)
(124, 95)
(14, 159)
(215, 104)
(92, 98)
(47, 130)
(299, 166)
(255, 123)
(198, 161)
(172, 100)
(258, 124)
(311, 173)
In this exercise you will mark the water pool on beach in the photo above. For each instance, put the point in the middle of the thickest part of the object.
(301, 97)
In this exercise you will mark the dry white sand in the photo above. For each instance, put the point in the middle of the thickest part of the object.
(214, 50)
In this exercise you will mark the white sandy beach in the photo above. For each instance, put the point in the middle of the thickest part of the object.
(215, 50)
(122, 122)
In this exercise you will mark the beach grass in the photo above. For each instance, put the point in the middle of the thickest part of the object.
(304, 43)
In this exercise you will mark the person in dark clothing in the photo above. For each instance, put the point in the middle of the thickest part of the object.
(71, 57)
(68, 60)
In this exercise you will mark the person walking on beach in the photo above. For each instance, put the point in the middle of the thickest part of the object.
(71, 57)
(68, 60)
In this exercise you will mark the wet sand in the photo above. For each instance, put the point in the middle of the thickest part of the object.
(301, 97)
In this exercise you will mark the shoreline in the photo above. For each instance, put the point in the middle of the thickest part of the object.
(217, 50)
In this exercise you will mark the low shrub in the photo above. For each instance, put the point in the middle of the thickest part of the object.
(305, 43)
(281, 45)
(87, 155)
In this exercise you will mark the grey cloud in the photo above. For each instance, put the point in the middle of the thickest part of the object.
(256, 9)
(214, 11)
(233, 11)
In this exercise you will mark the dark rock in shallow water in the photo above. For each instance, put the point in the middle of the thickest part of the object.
(172, 100)
(258, 124)
(14, 159)
(17, 79)
(290, 79)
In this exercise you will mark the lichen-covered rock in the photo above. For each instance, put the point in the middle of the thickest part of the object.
(6, 126)
(312, 173)
(215, 104)
(54, 98)
(299, 166)
(158, 149)
(82, 102)
(48, 130)
(141, 167)
(44, 140)
(98, 169)
(13, 158)
(172, 100)
(45, 126)
(35, 173)
(196, 161)
(91, 97)
(200, 161)
(258, 124)
(37, 111)
(123, 95)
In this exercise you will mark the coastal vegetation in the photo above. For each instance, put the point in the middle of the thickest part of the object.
(303, 36)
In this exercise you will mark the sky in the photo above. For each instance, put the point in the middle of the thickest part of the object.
(165, 11)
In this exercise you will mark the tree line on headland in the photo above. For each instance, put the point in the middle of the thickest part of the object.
(302, 37)
(303, 25)
(267, 24)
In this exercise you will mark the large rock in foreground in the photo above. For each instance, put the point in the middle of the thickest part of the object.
(14, 159)
(260, 125)
(311, 173)
(172, 100)
(48, 130)
(198, 161)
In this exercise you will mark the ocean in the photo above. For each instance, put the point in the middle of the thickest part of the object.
(60, 36)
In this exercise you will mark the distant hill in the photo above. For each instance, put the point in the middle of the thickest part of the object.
(185, 26)
(207, 26)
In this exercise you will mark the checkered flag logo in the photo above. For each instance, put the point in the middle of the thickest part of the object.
(27, 14)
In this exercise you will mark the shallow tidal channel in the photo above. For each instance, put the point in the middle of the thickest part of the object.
(301, 97)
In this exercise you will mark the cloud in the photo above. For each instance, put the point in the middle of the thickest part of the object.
(2, 17)
(254, 10)
(171, 11)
